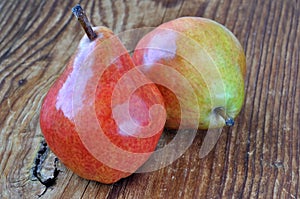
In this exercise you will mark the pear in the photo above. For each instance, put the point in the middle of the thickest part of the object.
(199, 66)
(102, 117)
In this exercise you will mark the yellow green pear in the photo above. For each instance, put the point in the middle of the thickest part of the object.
(199, 67)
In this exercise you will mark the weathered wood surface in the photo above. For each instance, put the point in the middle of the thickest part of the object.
(258, 158)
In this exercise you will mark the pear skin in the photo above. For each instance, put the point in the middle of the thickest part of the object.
(203, 53)
(98, 117)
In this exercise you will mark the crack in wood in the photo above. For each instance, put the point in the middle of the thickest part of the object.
(38, 164)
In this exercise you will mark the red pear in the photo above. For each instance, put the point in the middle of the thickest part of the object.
(102, 117)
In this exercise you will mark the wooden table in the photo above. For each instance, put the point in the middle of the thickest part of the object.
(257, 158)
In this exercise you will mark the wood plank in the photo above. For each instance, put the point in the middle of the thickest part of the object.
(257, 158)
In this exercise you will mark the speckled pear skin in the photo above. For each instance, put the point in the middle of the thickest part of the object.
(61, 122)
(206, 54)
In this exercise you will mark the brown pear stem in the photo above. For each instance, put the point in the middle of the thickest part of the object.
(84, 21)
(228, 120)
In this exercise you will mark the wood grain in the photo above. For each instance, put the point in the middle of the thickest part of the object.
(258, 158)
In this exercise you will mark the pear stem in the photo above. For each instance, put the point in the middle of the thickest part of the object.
(221, 112)
(84, 22)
